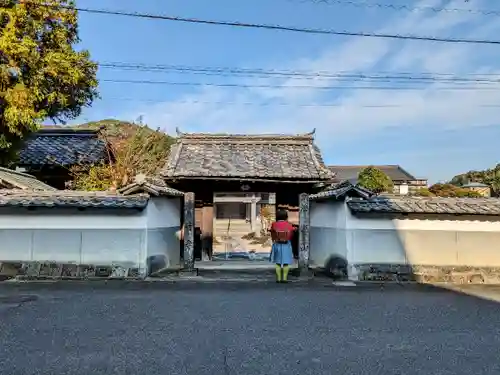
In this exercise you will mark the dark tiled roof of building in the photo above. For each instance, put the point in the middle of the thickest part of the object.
(150, 185)
(68, 198)
(342, 190)
(63, 147)
(10, 179)
(252, 157)
(351, 172)
(427, 205)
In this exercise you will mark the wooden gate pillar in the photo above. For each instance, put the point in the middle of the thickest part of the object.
(189, 208)
(207, 229)
(304, 234)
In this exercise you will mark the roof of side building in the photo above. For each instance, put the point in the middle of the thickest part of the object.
(10, 179)
(351, 172)
(63, 147)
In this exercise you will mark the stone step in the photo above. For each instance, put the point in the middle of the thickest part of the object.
(239, 268)
(234, 234)
(233, 230)
(232, 224)
(242, 224)
(224, 227)
(239, 225)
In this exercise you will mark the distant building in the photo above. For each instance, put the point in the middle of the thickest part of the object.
(404, 182)
(49, 154)
(10, 179)
(478, 187)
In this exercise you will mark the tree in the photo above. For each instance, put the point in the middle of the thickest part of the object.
(423, 192)
(490, 177)
(375, 180)
(41, 74)
(450, 190)
(136, 149)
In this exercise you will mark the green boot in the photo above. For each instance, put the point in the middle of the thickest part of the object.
(286, 269)
(278, 273)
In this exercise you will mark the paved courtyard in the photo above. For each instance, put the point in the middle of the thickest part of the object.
(261, 330)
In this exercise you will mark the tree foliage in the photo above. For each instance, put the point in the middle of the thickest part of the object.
(490, 177)
(447, 190)
(136, 149)
(423, 192)
(41, 74)
(375, 180)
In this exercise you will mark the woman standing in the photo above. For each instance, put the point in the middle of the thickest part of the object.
(281, 252)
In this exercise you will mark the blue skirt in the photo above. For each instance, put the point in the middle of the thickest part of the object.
(281, 253)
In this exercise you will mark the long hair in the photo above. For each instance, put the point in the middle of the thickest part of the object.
(282, 215)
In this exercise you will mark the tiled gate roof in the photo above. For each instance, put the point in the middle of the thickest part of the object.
(252, 157)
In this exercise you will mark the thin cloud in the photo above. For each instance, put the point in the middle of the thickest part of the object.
(429, 107)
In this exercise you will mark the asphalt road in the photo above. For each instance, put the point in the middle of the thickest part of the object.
(224, 331)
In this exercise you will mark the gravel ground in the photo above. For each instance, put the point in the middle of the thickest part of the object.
(227, 330)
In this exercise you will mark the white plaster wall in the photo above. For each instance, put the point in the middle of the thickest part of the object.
(163, 220)
(71, 218)
(328, 232)
(102, 237)
(329, 214)
(427, 222)
(163, 212)
(434, 240)
(437, 240)
(94, 236)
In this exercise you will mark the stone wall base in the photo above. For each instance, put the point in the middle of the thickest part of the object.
(356, 272)
(424, 273)
(34, 270)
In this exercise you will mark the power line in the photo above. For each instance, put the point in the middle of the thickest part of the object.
(274, 71)
(401, 7)
(270, 104)
(266, 104)
(237, 85)
(311, 75)
(271, 26)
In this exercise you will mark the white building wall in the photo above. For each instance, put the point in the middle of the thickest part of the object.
(437, 242)
(125, 239)
(163, 220)
(429, 240)
(71, 218)
(373, 244)
(163, 212)
(84, 237)
(440, 243)
(327, 232)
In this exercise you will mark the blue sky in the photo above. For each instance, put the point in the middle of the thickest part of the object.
(431, 132)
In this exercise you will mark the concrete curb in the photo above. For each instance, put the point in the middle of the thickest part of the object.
(163, 285)
(200, 283)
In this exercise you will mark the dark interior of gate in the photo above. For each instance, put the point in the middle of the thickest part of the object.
(239, 181)
(226, 231)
